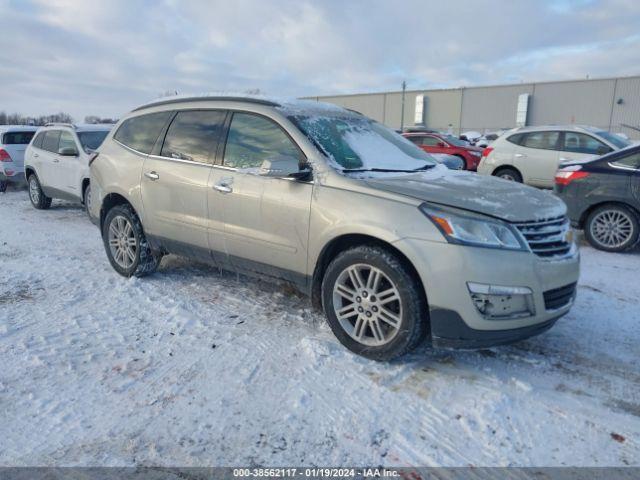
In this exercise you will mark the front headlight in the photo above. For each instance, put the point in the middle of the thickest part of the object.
(467, 228)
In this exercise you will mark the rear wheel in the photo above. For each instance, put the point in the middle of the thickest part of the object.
(126, 245)
(507, 173)
(38, 199)
(3, 186)
(612, 228)
(373, 303)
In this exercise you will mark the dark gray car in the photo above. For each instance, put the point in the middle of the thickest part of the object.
(603, 198)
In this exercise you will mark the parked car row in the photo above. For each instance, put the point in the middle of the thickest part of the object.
(595, 172)
(393, 246)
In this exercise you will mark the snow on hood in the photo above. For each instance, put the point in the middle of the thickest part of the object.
(492, 196)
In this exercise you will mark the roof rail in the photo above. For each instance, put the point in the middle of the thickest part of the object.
(59, 124)
(222, 98)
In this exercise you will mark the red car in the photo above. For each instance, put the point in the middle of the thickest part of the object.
(440, 143)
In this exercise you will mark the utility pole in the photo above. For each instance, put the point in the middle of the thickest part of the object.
(404, 88)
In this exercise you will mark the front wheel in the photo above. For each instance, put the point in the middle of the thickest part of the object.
(86, 198)
(373, 303)
(38, 199)
(126, 245)
(612, 228)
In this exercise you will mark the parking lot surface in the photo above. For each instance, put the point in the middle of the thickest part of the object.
(191, 366)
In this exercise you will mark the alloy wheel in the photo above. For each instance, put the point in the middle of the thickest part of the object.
(34, 190)
(367, 305)
(122, 242)
(611, 228)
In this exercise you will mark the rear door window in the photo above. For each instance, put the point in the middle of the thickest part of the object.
(582, 143)
(194, 135)
(51, 140)
(17, 138)
(141, 133)
(541, 140)
(253, 138)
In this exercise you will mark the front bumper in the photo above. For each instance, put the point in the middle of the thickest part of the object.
(448, 330)
(446, 269)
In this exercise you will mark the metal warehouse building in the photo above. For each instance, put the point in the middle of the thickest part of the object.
(609, 103)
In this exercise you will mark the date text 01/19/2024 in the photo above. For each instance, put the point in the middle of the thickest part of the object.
(316, 472)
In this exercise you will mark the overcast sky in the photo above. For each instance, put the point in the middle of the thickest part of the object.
(106, 57)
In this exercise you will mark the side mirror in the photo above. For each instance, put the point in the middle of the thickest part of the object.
(602, 150)
(280, 167)
(441, 144)
(68, 152)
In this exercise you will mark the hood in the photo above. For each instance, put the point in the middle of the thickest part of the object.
(492, 196)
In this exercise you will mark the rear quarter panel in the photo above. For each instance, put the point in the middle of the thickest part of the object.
(501, 155)
(117, 169)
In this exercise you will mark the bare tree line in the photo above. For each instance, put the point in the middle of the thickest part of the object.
(61, 117)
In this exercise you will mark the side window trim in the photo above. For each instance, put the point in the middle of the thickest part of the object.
(225, 137)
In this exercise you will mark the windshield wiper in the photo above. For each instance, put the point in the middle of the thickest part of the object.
(356, 170)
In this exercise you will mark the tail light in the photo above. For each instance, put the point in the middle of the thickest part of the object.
(486, 152)
(565, 176)
(4, 156)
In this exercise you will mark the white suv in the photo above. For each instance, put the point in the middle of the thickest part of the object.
(532, 155)
(56, 163)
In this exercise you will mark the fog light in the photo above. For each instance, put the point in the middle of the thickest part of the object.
(496, 302)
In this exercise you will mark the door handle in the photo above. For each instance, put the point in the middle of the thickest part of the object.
(223, 187)
(152, 175)
(35, 155)
(519, 155)
(56, 160)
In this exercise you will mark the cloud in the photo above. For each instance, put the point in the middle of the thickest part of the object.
(104, 58)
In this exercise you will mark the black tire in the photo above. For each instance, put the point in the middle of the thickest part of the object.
(86, 199)
(3, 186)
(598, 215)
(38, 199)
(414, 314)
(145, 260)
(508, 173)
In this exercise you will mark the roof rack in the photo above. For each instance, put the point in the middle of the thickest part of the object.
(222, 98)
(59, 124)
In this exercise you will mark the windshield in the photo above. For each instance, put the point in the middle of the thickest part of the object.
(92, 140)
(617, 140)
(360, 143)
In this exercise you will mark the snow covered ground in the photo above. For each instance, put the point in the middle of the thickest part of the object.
(193, 367)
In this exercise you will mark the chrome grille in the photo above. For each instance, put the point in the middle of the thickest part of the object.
(547, 238)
